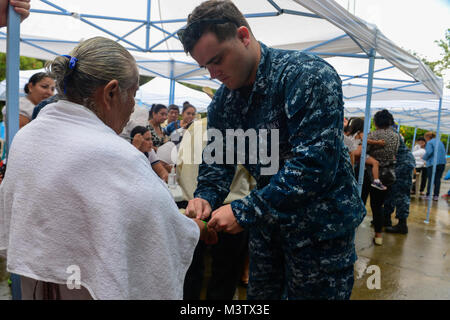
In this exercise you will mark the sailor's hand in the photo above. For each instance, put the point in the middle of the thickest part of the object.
(198, 208)
(223, 219)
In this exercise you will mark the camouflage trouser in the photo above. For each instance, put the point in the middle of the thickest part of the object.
(398, 198)
(280, 267)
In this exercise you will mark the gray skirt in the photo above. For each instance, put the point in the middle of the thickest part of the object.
(39, 290)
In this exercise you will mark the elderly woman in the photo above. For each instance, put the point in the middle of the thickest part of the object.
(91, 215)
(39, 87)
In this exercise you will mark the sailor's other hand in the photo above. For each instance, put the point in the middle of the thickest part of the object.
(223, 219)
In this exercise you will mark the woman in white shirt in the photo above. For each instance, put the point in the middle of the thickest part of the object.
(141, 138)
(421, 169)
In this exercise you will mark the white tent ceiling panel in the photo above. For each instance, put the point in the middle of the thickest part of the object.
(421, 114)
(290, 24)
(386, 91)
(343, 45)
(157, 91)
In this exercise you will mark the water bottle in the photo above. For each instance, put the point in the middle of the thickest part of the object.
(172, 180)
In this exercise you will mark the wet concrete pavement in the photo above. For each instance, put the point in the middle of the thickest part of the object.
(412, 266)
(415, 266)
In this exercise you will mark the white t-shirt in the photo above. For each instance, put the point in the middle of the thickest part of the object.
(152, 157)
(418, 153)
(352, 142)
(26, 108)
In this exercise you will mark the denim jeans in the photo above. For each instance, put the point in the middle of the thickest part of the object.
(437, 179)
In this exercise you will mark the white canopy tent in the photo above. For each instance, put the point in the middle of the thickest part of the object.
(148, 29)
(157, 91)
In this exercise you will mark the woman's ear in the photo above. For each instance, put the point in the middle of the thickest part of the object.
(111, 92)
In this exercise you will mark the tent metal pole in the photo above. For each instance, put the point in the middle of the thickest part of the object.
(172, 84)
(147, 32)
(433, 175)
(163, 40)
(151, 71)
(325, 42)
(131, 32)
(12, 98)
(377, 78)
(172, 91)
(54, 5)
(189, 72)
(414, 139)
(366, 121)
(366, 74)
(111, 34)
(398, 128)
(446, 148)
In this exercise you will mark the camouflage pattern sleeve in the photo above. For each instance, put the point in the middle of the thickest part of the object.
(314, 109)
(214, 179)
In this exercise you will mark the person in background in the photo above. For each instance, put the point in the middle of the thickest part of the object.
(349, 142)
(421, 169)
(172, 115)
(42, 104)
(432, 143)
(156, 116)
(228, 255)
(188, 115)
(398, 197)
(447, 177)
(40, 86)
(22, 7)
(385, 155)
(356, 133)
(142, 140)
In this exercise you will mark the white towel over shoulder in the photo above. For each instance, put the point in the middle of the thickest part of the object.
(76, 194)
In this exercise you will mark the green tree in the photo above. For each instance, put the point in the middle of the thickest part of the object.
(442, 65)
(439, 67)
(26, 63)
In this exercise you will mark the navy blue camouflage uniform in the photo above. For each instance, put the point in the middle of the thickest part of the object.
(302, 219)
(399, 198)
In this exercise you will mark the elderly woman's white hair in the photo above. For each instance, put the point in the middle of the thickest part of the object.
(98, 61)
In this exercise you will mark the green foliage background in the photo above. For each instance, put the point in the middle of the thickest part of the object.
(26, 63)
